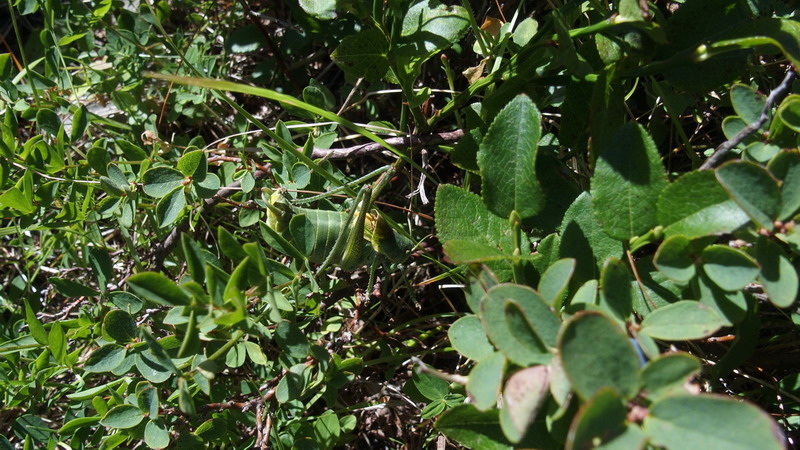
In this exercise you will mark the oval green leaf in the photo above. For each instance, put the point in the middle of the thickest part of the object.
(122, 416)
(753, 189)
(778, 275)
(120, 326)
(674, 260)
(596, 353)
(468, 338)
(729, 268)
(682, 321)
(160, 181)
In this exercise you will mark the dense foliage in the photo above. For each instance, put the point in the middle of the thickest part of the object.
(403, 223)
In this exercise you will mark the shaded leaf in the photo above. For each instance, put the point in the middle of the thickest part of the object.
(753, 189)
(729, 268)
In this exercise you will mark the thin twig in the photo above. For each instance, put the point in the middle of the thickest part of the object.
(445, 137)
(751, 128)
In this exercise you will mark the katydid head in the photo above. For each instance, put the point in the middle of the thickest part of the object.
(279, 211)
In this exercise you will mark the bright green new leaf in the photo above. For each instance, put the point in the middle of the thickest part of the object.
(507, 159)
(77, 423)
(778, 275)
(682, 321)
(160, 181)
(193, 164)
(596, 353)
(485, 380)
(468, 338)
(523, 396)
(710, 421)
(696, 205)
(674, 259)
(729, 268)
(16, 199)
(753, 189)
(627, 181)
(157, 288)
(363, 54)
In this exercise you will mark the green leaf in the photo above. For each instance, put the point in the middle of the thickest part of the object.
(170, 207)
(615, 289)
(160, 181)
(753, 189)
(461, 252)
(69, 288)
(291, 339)
(729, 268)
(126, 301)
(472, 428)
(519, 323)
(157, 288)
(599, 422)
(682, 321)
(156, 434)
(120, 326)
(674, 259)
(710, 421)
(105, 359)
(583, 239)
(669, 373)
(152, 368)
(431, 387)
(80, 121)
(778, 275)
(122, 416)
(731, 306)
(789, 113)
(596, 353)
(102, 266)
(785, 166)
(523, 396)
(696, 205)
(208, 186)
(747, 102)
(15, 199)
(462, 215)
(246, 39)
(34, 325)
(468, 338)
(485, 380)
(507, 159)
(363, 54)
(428, 28)
(47, 121)
(193, 164)
(78, 423)
(321, 9)
(627, 181)
(57, 341)
(555, 281)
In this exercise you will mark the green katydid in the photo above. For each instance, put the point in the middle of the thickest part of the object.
(346, 239)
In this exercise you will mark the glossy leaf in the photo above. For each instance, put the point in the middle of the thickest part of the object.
(753, 189)
(696, 205)
(710, 421)
(507, 159)
(627, 181)
(157, 288)
(682, 321)
(596, 354)
(729, 268)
